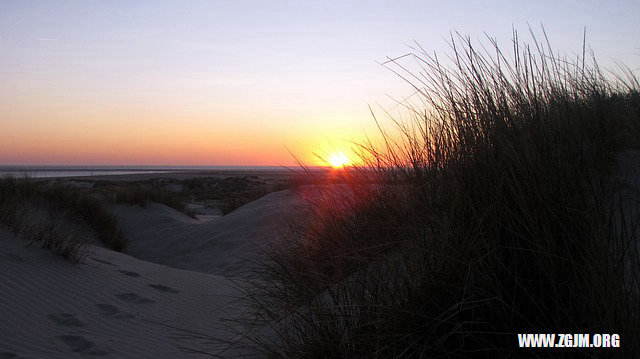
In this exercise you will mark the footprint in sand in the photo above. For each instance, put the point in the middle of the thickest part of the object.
(134, 298)
(104, 262)
(129, 273)
(7, 355)
(65, 319)
(164, 288)
(80, 344)
(113, 311)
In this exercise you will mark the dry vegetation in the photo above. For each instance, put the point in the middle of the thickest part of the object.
(45, 211)
(90, 209)
(227, 194)
(42, 216)
(491, 214)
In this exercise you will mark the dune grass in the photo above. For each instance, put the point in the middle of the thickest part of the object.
(20, 196)
(54, 234)
(141, 194)
(491, 212)
(91, 210)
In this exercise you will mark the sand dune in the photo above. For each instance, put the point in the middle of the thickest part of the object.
(111, 305)
(114, 305)
(223, 245)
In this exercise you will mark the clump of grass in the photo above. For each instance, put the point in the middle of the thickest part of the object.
(491, 213)
(91, 210)
(55, 235)
(19, 193)
(19, 199)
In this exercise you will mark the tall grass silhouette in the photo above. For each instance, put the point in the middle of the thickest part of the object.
(491, 212)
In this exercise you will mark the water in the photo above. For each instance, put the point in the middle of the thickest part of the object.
(51, 171)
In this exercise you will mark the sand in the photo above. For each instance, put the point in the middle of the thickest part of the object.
(173, 292)
(225, 245)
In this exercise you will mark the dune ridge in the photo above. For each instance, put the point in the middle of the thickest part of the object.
(113, 305)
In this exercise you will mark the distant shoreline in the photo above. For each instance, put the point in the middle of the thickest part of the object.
(146, 172)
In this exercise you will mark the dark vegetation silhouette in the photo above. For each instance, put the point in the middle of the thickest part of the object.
(45, 214)
(490, 212)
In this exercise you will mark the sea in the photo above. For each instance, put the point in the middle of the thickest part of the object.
(54, 171)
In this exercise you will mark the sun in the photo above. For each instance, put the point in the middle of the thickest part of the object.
(338, 160)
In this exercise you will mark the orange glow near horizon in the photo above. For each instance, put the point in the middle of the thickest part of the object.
(163, 136)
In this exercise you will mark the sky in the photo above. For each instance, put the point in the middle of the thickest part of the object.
(240, 82)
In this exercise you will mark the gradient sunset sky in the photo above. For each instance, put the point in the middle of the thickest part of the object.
(239, 82)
